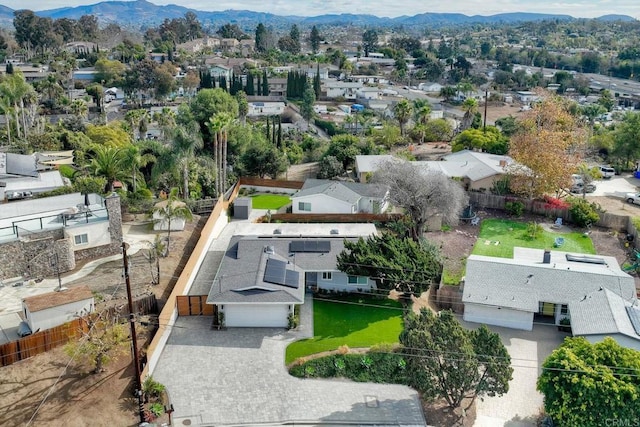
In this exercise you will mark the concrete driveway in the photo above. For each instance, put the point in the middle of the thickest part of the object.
(522, 404)
(616, 186)
(238, 376)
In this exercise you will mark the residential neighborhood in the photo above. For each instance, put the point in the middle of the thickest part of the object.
(319, 216)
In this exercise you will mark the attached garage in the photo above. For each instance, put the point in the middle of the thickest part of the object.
(498, 316)
(256, 315)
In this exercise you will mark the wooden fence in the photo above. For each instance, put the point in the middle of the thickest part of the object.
(43, 341)
(194, 305)
(276, 183)
(313, 218)
(537, 207)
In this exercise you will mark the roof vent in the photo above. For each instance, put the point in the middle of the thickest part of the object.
(277, 231)
(269, 250)
(334, 231)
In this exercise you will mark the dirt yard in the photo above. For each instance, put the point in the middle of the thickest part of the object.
(70, 396)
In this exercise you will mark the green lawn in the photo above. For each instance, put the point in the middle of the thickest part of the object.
(355, 321)
(512, 233)
(270, 201)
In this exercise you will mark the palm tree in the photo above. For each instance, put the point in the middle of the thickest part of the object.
(14, 89)
(186, 141)
(79, 108)
(402, 111)
(170, 210)
(215, 126)
(470, 107)
(7, 110)
(349, 121)
(227, 120)
(135, 160)
(110, 163)
(166, 120)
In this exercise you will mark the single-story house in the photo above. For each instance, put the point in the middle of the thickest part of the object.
(537, 284)
(219, 70)
(261, 279)
(49, 310)
(260, 108)
(527, 96)
(604, 313)
(326, 196)
(346, 90)
(430, 87)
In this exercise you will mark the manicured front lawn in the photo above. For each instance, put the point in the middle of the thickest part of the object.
(511, 233)
(269, 201)
(354, 321)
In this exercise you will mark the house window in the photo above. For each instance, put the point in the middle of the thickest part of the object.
(357, 280)
(81, 239)
(564, 310)
(304, 206)
(327, 275)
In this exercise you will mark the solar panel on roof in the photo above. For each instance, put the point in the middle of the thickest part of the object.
(310, 246)
(634, 316)
(585, 259)
(276, 272)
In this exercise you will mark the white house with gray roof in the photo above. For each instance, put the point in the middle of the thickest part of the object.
(604, 313)
(326, 196)
(262, 279)
(538, 284)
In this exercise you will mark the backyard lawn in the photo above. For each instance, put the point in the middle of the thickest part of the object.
(354, 321)
(498, 237)
(269, 201)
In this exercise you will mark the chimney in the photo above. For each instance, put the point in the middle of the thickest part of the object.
(503, 163)
(546, 258)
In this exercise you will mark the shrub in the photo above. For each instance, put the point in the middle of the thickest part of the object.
(514, 208)
(554, 203)
(533, 230)
(583, 213)
(156, 409)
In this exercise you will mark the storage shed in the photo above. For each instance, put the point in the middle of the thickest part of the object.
(49, 310)
(242, 208)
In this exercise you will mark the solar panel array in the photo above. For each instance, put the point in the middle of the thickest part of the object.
(276, 272)
(322, 246)
(634, 316)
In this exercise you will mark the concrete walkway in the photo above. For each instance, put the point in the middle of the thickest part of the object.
(238, 376)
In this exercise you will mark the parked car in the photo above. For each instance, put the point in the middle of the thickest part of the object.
(633, 198)
(579, 188)
(607, 171)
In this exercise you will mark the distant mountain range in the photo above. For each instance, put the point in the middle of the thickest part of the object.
(141, 13)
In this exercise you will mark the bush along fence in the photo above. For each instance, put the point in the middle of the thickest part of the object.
(43, 341)
(541, 207)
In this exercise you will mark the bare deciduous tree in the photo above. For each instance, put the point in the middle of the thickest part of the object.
(422, 193)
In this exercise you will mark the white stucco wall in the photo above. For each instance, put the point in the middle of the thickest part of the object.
(498, 316)
(54, 316)
(366, 205)
(321, 203)
(340, 282)
(97, 235)
(161, 224)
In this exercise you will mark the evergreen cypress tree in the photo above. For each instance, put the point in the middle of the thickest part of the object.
(273, 134)
(258, 86)
(316, 82)
(9, 68)
(267, 129)
(289, 84)
(279, 131)
(249, 88)
(265, 83)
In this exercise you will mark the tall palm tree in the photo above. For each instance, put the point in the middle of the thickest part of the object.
(402, 111)
(170, 210)
(215, 126)
(6, 109)
(134, 160)
(110, 163)
(470, 108)
(226, 119)
(79, 108)
(14, 88)
(186, 141)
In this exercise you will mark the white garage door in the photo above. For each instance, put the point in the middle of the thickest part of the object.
(498, 316)
(261, 316)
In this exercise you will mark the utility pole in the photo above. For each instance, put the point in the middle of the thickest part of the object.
(486, 101)
(55, 262)
(134, 340)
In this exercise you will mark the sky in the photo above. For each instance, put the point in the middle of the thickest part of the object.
(389, 8)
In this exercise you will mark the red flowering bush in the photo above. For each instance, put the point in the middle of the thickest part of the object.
(554, 203)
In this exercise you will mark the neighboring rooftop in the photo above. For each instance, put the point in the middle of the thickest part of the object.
(56, 299)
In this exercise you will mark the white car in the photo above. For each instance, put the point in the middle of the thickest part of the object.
(633, 198)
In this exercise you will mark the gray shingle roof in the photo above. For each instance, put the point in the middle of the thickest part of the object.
(333, 189)
(241, 273)
(317, 186)
(523, 282)
(602, 312)
(369, 163)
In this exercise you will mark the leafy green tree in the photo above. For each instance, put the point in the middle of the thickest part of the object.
(584, 384)
(470, 108)
(261, 38)
(606, 100)
(330, 167)
(627, 138)
(262, 159)
(451, 362)
(490, 140)
(448, 92)
(369, 41)
(508, 125)
(89, 184)
(344, 148)
(209, 102)
(389, 136)
(394, 263)
(109, 72)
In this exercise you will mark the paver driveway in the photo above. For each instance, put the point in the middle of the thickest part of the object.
(237, 376)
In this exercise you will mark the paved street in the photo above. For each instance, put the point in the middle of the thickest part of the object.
(238, 376)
